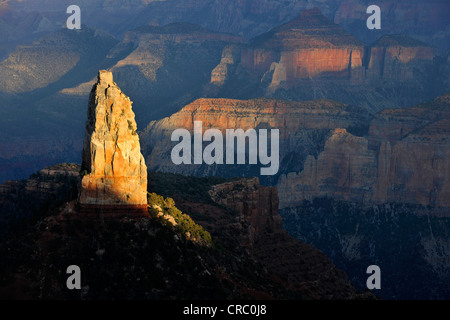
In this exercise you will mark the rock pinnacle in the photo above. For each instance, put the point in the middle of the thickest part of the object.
(113, 168)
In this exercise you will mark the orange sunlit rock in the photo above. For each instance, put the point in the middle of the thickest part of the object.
(114, 169)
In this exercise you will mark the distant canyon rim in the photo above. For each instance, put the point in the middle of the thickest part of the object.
(213, 153)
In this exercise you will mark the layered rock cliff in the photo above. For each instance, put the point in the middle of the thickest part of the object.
(404, 159)
(414, 150)
(303, 128)
(113, 168)
(398, 58)
(311, 57)
(309, 46)
(345, 169)
(326, 149)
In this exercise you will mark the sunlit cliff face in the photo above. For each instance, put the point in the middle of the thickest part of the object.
(113, 167)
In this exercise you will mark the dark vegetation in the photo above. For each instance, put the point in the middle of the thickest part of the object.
(41, 195)
(127, 257)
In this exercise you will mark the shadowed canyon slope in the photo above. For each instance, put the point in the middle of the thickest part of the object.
(261, 233)
(165, 67)
(159, 67)
(48, 59)
(165, 255)
(249, 18)
(41, 126)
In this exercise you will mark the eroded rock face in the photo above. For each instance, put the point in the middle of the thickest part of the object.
(308, 46)
(303, 126)
(258, 205)
(114, 168)
(258, 228)
(346, 169)
(403, 159)
(312, 57)
(398, 58)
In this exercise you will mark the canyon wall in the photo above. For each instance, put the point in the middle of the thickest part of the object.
(303, 128)
(311, 57)
(326, 148)
(403, 159)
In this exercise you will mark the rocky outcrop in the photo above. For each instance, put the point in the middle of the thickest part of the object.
(346, 169)
(220, 74)
(398, 58)
(258, 227)
(257, 204)
(114, 169)
(309, 46)
(41, 192)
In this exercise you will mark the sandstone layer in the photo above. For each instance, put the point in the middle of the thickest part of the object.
(113, 168)
(311, 57)
(302, 127)
(346, 169)
(312, 46)
(308, 46)
(404, 159)
(326, 148)
(397, 57)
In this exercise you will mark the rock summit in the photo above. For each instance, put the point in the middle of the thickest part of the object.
(113, 168)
